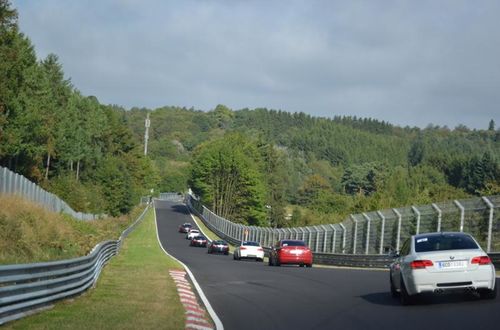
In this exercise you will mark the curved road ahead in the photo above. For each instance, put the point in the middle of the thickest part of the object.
(252, 295)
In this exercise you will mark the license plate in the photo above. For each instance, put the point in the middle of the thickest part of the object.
(451, 264)
(297, 252)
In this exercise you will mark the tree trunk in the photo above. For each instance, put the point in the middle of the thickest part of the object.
(48, 165)
(77, 170)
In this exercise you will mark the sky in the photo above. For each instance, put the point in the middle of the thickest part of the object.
(410, 63)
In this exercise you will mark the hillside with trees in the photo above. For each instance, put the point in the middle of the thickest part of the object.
(255, 166)
(67, 142)
(311, 170)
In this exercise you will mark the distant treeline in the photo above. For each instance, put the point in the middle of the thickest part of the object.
(295, 169)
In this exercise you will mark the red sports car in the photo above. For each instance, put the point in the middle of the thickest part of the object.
(218, 246)
(199, 241)
(185, 227)
(290, 252)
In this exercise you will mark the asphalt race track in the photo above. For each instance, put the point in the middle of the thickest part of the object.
(252, 295)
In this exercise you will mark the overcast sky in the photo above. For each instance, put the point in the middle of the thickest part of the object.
(406, 62)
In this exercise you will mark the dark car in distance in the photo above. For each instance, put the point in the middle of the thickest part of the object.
(289, 251)
(185, 227)
(199, 241)
(218, 246)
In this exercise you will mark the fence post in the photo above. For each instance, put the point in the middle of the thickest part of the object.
(382, 232)
(4, 180)
(355, 233)
(309, 236)
(490, 222)
(399, 228)
(417, 212)
(334, 237)
(440, 214)
(462, 214)
(324, 237)
(344, 230)
(367, 246)
(317, 238)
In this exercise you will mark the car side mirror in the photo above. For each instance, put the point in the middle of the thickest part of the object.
(394, 254)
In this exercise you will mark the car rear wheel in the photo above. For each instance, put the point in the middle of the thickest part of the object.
(488, 294)
(394, 292)
(405, 298)
(309, 265)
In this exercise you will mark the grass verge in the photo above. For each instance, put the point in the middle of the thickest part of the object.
(134, 291)
(30, 233)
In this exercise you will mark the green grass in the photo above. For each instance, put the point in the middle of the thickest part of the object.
(134, 291)
(29, 233)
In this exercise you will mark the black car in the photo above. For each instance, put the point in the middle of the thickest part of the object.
(218, 246)
(185, 227)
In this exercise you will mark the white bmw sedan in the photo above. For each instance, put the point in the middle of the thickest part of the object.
(439, 262)
(250, 250)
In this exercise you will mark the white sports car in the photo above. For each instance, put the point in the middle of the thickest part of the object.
(439, 262)
(192, 233)
(250, 250)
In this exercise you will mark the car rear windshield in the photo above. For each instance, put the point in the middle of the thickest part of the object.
(220, 243)
(250, 244)
(293, 243)
(444, 242)
(199, 238)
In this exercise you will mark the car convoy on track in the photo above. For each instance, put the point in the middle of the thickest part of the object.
(431, 263)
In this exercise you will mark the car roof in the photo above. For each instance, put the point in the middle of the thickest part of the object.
(441, 233)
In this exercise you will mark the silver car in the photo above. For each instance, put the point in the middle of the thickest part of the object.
(439, 262)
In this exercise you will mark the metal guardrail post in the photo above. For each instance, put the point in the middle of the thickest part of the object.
(302, 233)
(324, 237)
(344, 232)
(462, 214)
(317, 238)
(417, 212)
(367, 246)
(309, 236)
(490, 222)
(355, 233)
(334, 238)
(440, 215)
(399, 228)
(4, 180)
(382, 232)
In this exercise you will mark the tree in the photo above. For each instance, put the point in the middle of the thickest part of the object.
(491, 126)
(226, 174)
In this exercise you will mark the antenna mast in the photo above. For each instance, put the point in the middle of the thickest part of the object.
(146, 134)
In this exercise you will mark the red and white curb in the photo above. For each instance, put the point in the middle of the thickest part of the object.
(196, 316)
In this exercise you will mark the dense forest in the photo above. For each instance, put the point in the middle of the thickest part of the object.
(272, 167)
(67, 142)
(254, 166)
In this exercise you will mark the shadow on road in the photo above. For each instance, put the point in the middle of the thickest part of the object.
(385, 298)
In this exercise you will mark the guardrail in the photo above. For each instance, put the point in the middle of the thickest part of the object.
(26, 288)
(15, 184)
(366, 243)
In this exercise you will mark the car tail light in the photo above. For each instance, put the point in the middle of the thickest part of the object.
(421, 264)
(484, 260)
(243, 248)
(260, 249)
